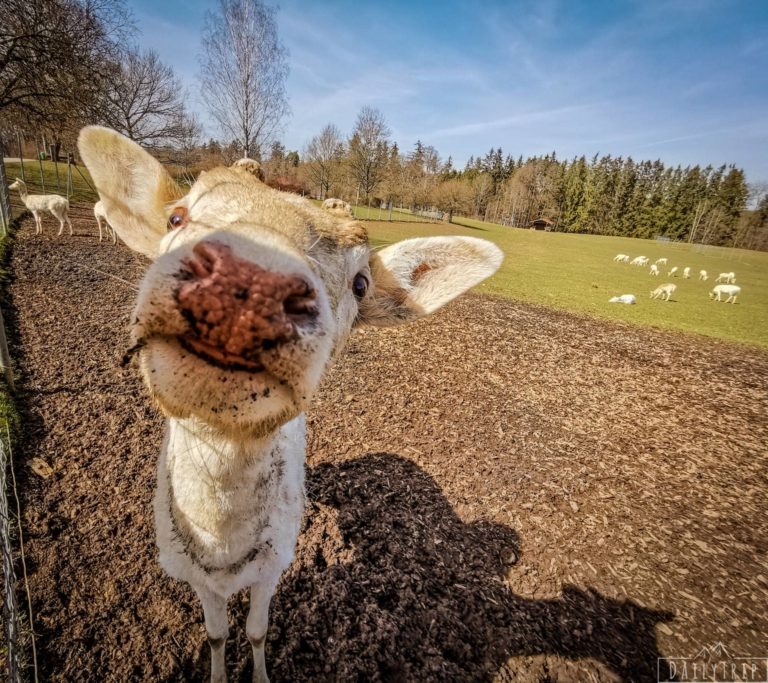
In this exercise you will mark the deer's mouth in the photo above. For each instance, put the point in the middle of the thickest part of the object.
(219, 357)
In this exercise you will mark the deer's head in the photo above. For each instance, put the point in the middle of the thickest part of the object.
(252, 291)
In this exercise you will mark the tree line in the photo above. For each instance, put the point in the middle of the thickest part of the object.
(601, 195)
(54, 81)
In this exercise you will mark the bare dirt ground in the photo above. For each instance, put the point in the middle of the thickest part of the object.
(501, 492)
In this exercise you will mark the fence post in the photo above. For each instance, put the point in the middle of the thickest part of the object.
(56, 166)
(40, 161)
(21, 155)
(5, 195)
(5, 356)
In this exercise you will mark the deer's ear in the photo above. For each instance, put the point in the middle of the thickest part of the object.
(415, 277)
(132, 184)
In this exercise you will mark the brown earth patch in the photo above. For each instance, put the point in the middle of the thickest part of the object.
(498, 492)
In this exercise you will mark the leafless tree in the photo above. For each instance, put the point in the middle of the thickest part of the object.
(323, 158)
(452, 196)
(55, 56)
(243, 72)
(146, 103)
(368, 150)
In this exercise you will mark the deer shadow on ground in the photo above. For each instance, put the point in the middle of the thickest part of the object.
(390, 584)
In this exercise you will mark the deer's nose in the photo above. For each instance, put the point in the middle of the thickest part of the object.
(235, 308)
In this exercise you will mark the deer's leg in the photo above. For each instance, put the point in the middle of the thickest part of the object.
(256, 626)
(217, 628)
(61, 224)
(69, 223)
(98, 220)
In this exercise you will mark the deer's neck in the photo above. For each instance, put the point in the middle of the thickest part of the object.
(220, 487)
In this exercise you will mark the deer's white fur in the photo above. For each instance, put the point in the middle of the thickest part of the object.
(100, 213)
(731, 290)
(703, 275)
(672, 272)
(639, 261)
(687, 272)
(729, 278)
(654, 269)
(663, 291)
(623, 299)
(338, 205)
(661, 261)
(230, 487)
(40, 203)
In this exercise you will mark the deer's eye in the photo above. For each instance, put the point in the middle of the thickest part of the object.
(178, 218)
(359, 285)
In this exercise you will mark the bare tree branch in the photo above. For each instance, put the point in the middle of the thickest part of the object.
(146, 102)
(243, 72)
(323, 158)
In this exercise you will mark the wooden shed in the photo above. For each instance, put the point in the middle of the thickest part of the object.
(542, 224)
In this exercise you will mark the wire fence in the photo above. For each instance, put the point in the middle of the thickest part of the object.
(18, 635)
(46, 173)
(11, 615)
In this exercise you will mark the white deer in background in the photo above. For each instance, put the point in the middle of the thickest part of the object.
(40, 203)
(731, 290)
(663, 291)
(251, 293)
(100, 213)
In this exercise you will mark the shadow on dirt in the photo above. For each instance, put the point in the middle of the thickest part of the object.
(390, 584)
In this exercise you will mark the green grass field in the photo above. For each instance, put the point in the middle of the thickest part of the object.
(81, 191)
(364, 213)
(577, 273)
(571, 272)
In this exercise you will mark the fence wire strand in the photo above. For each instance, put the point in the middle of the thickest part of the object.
(21, 552)
(11, 616)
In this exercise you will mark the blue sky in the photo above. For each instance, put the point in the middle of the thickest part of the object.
(685, 81)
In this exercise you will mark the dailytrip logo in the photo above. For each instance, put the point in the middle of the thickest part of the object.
(714, 665)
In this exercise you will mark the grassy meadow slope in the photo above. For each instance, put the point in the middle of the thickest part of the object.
(577, 273)
(571, 272)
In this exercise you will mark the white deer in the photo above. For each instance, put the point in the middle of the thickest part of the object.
(38, 203)
(664, 291)
(251, 293)
(730, 278)
(100, 213)
(731, 290)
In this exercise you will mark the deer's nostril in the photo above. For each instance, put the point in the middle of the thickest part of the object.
(301, 304)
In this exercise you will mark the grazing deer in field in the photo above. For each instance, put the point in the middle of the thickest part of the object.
(731, 290)
(250, 295)
(40, 203)
(664, 291)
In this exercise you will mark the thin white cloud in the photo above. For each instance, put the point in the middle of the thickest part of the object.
(508, 121)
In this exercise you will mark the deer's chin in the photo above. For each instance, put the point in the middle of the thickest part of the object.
(232, 396)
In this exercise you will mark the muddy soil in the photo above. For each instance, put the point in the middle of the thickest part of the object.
(501, 492)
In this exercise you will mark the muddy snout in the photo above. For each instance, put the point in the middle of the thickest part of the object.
(236, 309)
